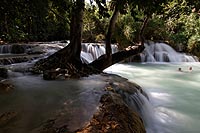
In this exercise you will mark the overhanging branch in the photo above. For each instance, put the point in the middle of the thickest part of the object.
(102, 63)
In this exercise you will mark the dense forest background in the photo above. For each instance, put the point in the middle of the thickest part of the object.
(178, 23)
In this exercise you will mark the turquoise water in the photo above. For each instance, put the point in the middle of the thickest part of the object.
(174, 96)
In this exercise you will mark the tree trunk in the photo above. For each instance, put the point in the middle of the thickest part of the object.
(101, 63)
(76, 31)
(141, 37)
(68, 58)
(71, 53)
(109, 36)
(110, 31)
(104, 61)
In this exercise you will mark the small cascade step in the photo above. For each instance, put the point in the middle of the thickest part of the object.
(161, 52)
(11, 59)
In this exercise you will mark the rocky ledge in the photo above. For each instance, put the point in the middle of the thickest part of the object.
(114, 116)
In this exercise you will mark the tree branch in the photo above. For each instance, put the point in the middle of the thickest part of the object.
(102, 63)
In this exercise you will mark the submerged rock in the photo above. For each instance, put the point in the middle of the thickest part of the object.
(114, 116)
(6, 117)
(51, 126)
(5, 86)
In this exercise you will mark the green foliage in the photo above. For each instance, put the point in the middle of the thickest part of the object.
(175, 21)
(194, 45)
(126, 30)
(23, 20)
(181, 22)
(156, 29)
(94, 26)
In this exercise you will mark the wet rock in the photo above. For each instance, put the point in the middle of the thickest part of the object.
(55, 74)
(36, 50)
(17, 49)
(3, 72)
(5, 86)
(122, 86)
(51, 126)
(114, 116)
(7, 117)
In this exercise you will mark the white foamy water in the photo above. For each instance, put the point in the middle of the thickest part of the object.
(161, 52)
(173, 105)
(92, 51)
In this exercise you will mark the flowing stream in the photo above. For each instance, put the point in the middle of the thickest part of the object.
(173, 105)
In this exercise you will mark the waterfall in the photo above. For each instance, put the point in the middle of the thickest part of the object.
(154, 52)
(139, 102)
(17, 53)
(161, 52)
(92, 51)
(33, 48)
(5, 49)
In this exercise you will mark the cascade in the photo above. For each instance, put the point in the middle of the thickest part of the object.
(92, 51)
(139, 102)
(154, 52)
(31, 48)
(161, 52)
(5, 49)
(17, 53)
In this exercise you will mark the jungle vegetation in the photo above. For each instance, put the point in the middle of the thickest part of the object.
(174, 21)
